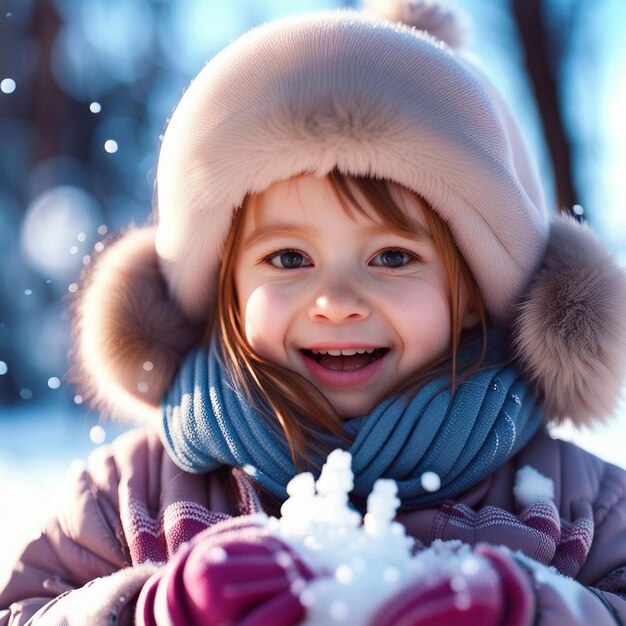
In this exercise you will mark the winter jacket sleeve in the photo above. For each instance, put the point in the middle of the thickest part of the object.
(561, 600)
(607, 554)
(580, 532)
(82, 567)
(585, 582)
(597, 594)
(100, 602)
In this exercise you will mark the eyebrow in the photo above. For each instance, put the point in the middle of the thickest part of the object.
(419, 233)
(273, 231)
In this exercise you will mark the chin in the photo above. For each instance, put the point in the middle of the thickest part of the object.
(350, 412)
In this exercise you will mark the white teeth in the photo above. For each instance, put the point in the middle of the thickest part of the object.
(344, 351)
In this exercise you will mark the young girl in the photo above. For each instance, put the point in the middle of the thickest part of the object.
(351, 250)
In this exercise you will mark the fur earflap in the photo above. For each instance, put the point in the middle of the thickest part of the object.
(570, 335)
(432, 16)
(129, 334)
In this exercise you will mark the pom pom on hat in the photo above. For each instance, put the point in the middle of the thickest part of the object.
(436, 18)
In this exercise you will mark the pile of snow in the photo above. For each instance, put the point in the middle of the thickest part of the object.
(361, 561)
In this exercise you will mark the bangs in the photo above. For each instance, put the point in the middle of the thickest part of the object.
(387, 200)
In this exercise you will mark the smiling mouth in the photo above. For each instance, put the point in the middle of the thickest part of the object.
(345, 360)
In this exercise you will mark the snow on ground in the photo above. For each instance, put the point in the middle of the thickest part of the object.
(38, 444)
(607, 441)
(37, 447)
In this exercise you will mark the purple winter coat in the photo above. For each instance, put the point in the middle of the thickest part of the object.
(132, 507)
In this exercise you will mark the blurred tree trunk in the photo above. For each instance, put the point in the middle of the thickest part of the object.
(47, 100)
(543, 58)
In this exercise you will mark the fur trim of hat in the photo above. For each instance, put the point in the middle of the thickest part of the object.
(451, 139)
(130, 334)
(570, 331)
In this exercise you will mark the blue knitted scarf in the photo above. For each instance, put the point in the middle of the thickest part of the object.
(492, 415)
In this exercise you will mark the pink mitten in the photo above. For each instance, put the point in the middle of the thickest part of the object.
(232, 574)
(489, 589)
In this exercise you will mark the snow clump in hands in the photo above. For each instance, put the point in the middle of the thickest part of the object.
(360, 562)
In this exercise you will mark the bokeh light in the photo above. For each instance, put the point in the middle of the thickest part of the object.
(110, 145)
(97, 434)
(7, 85)
(54, 382)
(50, 226)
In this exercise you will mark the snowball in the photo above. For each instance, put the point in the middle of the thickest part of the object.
(531, 487)
(361, 562)
(430, 481)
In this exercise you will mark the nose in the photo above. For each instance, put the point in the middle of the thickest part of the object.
(338, 302)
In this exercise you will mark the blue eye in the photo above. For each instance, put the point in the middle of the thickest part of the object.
(393, 258)
(288, 259)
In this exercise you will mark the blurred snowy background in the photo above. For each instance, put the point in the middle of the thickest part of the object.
(85, 91)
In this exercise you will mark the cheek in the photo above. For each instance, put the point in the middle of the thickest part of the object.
(428, 329)
(265, 314)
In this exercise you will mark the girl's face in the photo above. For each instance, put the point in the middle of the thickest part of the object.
(339, 298)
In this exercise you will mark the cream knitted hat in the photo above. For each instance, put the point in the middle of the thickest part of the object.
(345, 91)
(366, 96)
